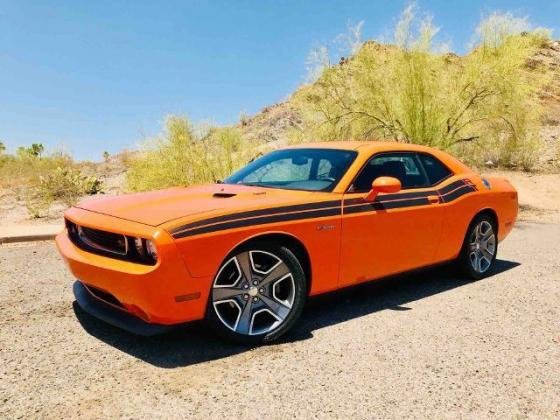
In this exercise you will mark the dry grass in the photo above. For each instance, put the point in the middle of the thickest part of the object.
(39, 181)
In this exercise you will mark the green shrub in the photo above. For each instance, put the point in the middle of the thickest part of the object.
(67, 185)
(184, 155)
(484, 105)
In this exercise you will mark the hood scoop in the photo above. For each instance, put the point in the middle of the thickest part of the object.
(223, 195)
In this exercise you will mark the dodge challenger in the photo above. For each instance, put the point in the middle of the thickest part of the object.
(245, 253)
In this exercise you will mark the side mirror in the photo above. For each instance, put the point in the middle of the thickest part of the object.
(384, 184)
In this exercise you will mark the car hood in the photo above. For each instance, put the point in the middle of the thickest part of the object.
(157, 207)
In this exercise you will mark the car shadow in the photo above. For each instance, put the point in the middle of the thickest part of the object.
(194, 344)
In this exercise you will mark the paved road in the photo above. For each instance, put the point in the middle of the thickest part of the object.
(425, 345)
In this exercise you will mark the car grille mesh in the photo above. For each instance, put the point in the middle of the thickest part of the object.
(109, 244)
(97, 241)
(107, 241)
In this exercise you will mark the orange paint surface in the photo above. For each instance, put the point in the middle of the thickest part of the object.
(351, 242)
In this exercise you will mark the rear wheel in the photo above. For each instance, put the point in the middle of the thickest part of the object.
(480, 248)
(258, 294)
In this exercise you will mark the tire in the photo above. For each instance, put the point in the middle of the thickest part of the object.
(258, 294)
(480, 247)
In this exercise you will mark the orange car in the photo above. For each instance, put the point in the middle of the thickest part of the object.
(245, 253)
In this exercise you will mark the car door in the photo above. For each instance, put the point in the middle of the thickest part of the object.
(395, 233)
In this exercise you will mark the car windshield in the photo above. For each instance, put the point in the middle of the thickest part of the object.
(296, 169)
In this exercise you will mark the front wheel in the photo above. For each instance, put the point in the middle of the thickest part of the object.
(258, 294)
(479, 248)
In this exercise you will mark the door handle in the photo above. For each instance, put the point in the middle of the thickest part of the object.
(433, 199)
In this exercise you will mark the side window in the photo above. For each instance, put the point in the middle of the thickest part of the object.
(435, 170)
(403, 166)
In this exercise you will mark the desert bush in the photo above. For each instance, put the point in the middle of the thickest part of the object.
(26, 169)
(67, 185)
(185, 155)
(483, 105)
(41, 180)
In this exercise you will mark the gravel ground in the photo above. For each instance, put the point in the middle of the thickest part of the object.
(422, 345)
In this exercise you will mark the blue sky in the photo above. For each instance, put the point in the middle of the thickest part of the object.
(101, 75)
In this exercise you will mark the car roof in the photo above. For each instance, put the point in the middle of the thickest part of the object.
(368, 148)
(365, 146)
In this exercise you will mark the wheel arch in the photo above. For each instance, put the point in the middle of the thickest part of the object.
(491, 213)
(291, 242)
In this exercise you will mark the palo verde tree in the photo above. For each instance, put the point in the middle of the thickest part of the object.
(410, 91)
(185, 154)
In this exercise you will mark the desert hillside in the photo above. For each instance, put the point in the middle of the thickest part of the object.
(274, 122)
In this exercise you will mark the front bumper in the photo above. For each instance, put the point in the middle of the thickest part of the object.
(116, 317)
(162, 294)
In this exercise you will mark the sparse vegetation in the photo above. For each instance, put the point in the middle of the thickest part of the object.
(36, 150)
(41, 180)
(68, 185)
(186, 155)
(483, 106)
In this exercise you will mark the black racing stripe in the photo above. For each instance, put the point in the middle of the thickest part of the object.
(458, 193)
(323, 209)
(405, 196)
(452, 186)
(353, 201)
(256, 213)
(389, 197)
(381, 205)
(400, 200)
(261, 221)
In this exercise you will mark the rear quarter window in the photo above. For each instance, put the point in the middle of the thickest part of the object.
(435, 170)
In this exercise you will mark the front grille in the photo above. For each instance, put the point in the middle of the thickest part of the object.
(104, 296)
(109, 244)
(105, 241)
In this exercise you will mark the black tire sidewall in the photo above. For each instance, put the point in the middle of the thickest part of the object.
(300, 283)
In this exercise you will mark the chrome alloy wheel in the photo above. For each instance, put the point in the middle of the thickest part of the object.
(253, 292)
(482, 246)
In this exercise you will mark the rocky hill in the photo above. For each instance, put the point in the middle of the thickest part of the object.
(550, 57)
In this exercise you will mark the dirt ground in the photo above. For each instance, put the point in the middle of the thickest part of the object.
(539, 195)
(422, 345)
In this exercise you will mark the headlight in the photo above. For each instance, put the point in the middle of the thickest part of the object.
(151, 249)
(139, 246)
(145, 249)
